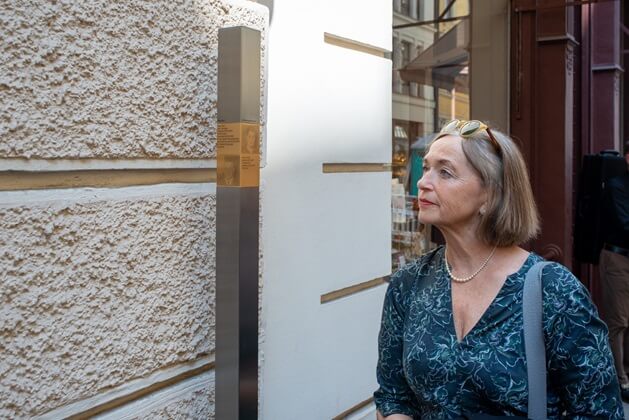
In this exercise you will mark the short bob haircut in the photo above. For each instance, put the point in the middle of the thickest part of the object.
(511, 216)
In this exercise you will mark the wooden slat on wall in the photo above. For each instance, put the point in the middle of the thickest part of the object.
(331, 168)
(353, 409)
(30, 180)
(351, 44)
(356, 288)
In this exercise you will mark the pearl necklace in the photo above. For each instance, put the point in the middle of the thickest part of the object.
(466, 279)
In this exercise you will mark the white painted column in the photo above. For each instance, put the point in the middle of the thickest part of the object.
(323, 232)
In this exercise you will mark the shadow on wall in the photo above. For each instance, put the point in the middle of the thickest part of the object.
(269, 4)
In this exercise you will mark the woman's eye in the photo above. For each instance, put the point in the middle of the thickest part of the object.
(444, 173)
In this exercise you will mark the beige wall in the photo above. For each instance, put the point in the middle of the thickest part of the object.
(107, 291)
(125, 79)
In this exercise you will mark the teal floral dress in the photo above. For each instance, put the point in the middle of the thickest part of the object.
(426, 373)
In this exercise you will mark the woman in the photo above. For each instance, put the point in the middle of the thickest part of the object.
(451, 338)
(250, 145)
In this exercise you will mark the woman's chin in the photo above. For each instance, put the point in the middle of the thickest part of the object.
(426, 219)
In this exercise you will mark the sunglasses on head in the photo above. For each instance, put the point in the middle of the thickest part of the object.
(465, 129)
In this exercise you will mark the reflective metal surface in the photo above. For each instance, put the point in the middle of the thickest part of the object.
(237, 235)
(237, 303)
(238, 74)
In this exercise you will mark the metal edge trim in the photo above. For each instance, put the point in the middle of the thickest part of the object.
(557, 38)
(607, 67)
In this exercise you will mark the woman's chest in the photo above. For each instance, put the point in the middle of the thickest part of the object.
(488, 364)
(471, 300)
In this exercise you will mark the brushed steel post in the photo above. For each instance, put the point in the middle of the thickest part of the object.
(237, 223)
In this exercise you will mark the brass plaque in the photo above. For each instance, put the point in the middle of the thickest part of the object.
(238, 155)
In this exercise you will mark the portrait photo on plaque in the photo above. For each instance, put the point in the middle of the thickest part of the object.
(250, 143)
(229, 170)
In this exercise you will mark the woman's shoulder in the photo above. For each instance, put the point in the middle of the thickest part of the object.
(418, 270)
(558, 278)
(562, 290)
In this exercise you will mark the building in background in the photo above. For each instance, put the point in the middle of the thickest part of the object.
(567, 99)
(433, 80)
(551, 74)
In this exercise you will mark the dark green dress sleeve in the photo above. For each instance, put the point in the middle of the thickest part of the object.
(394, 395)
(580, 367)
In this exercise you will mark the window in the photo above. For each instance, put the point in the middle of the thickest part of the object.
(406, 7)
(405, 56)
(420, 68)
(432, 79)
(406, 52)
(421, 10)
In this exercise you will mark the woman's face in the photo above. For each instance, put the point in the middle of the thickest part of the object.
(251, 140)
(450, 191)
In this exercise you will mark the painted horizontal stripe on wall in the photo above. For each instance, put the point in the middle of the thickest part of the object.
(351, 44)
(332, 168)
(29, 180)
(92, 195)
(38, 164)
(347, 291)
(353, 409)
(131, 391)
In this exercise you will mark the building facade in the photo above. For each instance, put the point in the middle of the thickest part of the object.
(108, 206)
(108, 139)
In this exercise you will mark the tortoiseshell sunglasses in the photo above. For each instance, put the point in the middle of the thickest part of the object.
(466, 129)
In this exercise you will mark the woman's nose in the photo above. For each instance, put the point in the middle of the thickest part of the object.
(422, 184)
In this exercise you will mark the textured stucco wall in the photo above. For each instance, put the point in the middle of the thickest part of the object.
(190, 406)
(93, 294)
(101, 79)
(186, 400)
(97, 292)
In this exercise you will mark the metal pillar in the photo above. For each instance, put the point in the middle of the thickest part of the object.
(237, 222)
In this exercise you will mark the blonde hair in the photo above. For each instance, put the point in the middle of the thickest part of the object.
(511, 216)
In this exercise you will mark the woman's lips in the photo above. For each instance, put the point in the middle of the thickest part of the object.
(423, 202)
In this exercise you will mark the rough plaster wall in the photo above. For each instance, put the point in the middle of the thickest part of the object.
(190, 399)
(196, 405)
(93, 294)
(102, 79)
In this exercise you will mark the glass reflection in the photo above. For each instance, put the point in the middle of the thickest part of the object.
(430, 87)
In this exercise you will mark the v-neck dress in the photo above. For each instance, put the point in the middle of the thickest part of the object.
(426, 373)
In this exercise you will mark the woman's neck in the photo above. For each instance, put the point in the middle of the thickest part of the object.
(464, 250)
(465, 253)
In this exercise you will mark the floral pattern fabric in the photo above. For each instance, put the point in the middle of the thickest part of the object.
(426, 373)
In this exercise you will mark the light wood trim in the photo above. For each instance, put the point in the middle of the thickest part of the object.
(351, 44)
(353, 409)
(335, 168)
(34, 180)
(347, 291)
(85, 164)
